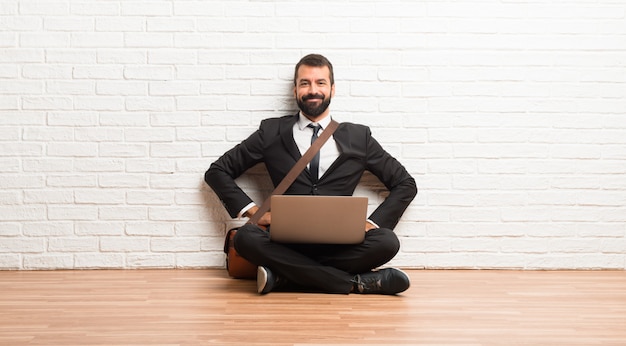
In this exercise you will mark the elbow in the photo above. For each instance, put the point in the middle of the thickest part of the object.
(411, 189)
(211, 175)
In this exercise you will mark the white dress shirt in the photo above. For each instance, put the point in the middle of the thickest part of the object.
(302, 135)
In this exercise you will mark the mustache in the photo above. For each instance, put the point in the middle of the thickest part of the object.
(312, 97)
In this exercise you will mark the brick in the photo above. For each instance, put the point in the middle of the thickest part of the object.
(150, 197)
(48, 261)
(11, 181)
(72, 119)
(123, 181)
(149, 73)
(8, 72)
(97, 72)
(73, 23)
(44, 40)
(151, 260)
(175, 149)
(97, 8)
(150, 166)
(187, 244)
(124, 244)
(23, 245)
(172, 214)
(198, 8)
(97, 40)
(152, 104)
(172, 56)
(152, 229)
(182, 181)
(99, 261)
(123, 213)
(146, 8)
(100, 134)
(48, 229)
(149, 135)
(10, 229)
(124, 119)
(116, 150)
(87, 228)
(148, 40)
(179, 119)
(77, 244)
(200, 260)
(204, 103)
(170, 24)
(47, 134)
(22, 87)
(41, 196)
(9, 165)
(10, 262)
(70, 87)
(99, 197)
(71, 180)
(174, 88)
(71, 149)
(72, 212)
(47, 103)
(121, 56)
(121, 24)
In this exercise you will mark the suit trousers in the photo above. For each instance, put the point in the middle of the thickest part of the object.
(324, 268)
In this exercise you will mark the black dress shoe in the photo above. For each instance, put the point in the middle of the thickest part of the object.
(266, 281)
(384, 281)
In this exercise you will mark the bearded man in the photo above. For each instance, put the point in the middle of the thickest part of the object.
(279, 143)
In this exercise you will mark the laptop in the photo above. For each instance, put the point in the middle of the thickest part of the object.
(318, 219)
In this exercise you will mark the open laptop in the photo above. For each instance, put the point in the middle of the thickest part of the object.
(318, 219)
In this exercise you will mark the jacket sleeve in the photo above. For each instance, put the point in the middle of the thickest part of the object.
(401, 186)
(222, 173)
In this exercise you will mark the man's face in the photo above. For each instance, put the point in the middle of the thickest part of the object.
(313, 91)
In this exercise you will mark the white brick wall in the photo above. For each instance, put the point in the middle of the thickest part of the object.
(510, 115)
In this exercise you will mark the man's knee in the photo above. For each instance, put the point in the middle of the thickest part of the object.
(387, 241)
(246, 236)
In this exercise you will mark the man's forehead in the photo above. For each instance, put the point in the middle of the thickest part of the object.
(306, 72)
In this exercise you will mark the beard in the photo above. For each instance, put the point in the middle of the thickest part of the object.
(311, 109)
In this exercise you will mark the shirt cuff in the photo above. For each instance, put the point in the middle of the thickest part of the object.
(373, 223)
(245, 209)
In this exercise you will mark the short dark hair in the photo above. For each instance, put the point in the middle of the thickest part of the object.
(315, 60)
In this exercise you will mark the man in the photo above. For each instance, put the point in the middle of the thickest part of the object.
(279, 143)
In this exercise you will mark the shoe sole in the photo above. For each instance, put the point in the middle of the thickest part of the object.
(261, 279)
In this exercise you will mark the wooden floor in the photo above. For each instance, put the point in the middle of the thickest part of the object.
(200, 307)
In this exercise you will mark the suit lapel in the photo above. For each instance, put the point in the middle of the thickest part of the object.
(286, 135)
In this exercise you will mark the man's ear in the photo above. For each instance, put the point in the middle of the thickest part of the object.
(332, 90)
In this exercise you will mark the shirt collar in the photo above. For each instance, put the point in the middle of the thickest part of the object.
(303, 121)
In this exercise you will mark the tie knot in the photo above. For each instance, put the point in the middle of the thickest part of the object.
(316, 128)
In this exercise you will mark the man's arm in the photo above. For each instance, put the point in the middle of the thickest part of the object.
(222, 173)
(401, 186)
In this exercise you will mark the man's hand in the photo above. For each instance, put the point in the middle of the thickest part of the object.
(265, 220)
(369, 226)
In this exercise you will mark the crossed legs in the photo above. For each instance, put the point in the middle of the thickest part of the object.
(319, 267)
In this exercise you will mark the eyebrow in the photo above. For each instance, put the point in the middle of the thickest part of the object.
(308, 80)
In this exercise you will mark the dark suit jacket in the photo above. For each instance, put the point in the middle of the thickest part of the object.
(273, 144)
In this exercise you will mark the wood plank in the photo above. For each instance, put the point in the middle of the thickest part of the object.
(194, 307)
